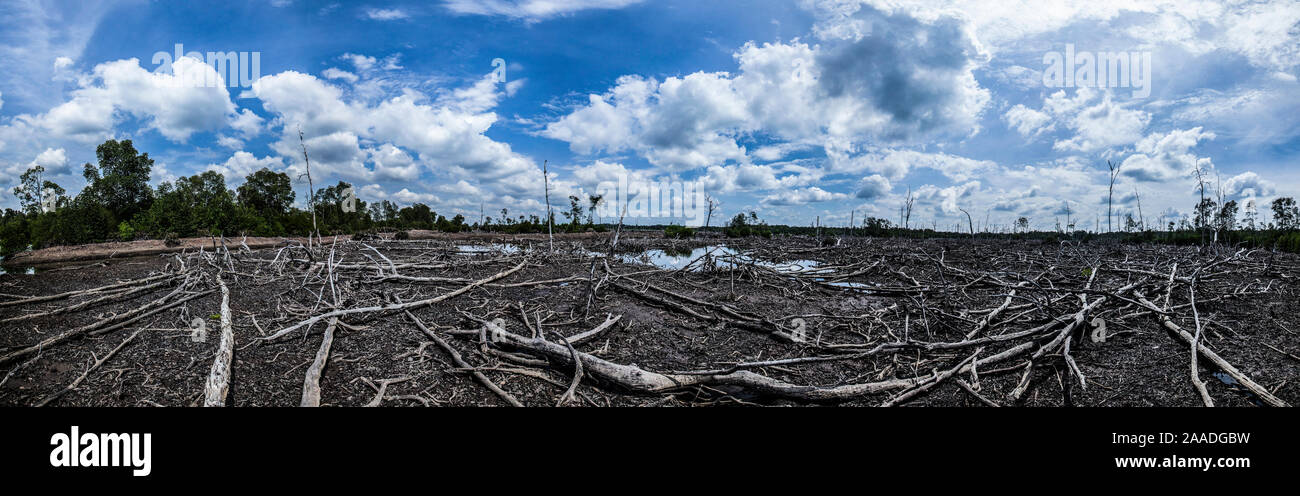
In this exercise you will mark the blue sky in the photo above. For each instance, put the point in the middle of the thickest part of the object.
(798, 110)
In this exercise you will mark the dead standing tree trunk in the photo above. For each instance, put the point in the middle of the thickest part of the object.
(546, 184)
(712, 205)
(907, 209)
(218, 385)
(1200, 183)
(1142, 219)
(311, 188)
(1110, 192)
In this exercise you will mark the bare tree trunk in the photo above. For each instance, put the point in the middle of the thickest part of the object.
(1142, 220)
(907, 209)
(1110, 193)
(546, 183)
(218, 385)
(618, 230)
(709, 217)
(311, 383)
(311, 188)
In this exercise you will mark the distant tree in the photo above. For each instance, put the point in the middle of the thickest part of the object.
(120, 183)
(594, 203)
(1204, 214)
(1226, 219)
(266, 192)
(574, 214)
(340, 210)
(388, 211)
(417, 216)
(1110, 192)
(190, 206)
(32, 189)
(1022, 224)
(1285, 214)
(15, 232)
(1069, 222)
(1250, 214)
(742, 225)
(875, 226)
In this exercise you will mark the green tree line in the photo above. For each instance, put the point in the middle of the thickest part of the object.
(118, 204)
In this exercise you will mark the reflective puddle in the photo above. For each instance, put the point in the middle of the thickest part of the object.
(723, 257)
(504, 248)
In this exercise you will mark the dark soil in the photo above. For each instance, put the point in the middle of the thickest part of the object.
(920, 292)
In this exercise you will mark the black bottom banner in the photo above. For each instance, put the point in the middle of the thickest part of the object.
(130, 447)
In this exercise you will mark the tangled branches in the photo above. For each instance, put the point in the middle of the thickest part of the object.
(861, 321)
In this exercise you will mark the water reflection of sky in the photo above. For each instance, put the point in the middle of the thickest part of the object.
(723, 257)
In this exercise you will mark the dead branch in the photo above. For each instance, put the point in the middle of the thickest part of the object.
(311, 383)
(218, 384)
(85, 374)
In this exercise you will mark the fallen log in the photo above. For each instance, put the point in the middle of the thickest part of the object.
(455, 357)
(311, 383)
(1213, 357)
(218, 385)
(582, 337)
(644, 381)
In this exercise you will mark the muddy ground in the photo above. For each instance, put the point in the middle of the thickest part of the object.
(127, 249)
(787, 321)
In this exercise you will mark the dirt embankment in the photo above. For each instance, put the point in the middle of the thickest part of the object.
(126, 249)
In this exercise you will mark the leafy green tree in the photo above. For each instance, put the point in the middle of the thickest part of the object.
(417, 216)
(741, 226)
(340, 210)
(1130, 222)
(384, 211)
(678, 232)
(594, 203)
(1285, 214)
(1226, 219)
(191, 204)
(1204, 213)
(876, 226)
(121, 181)
(1250, 215)
(458, 224)
(267, 192)
(14, 232)
(574, 214)
(32, 189)
(82, 221)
